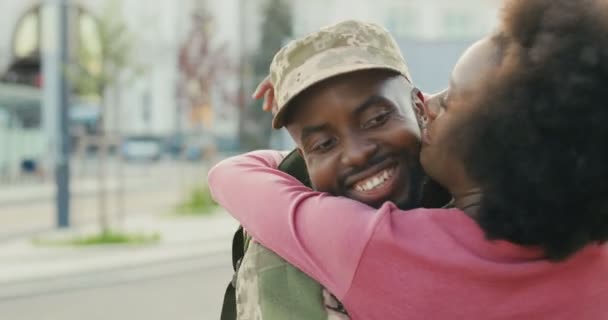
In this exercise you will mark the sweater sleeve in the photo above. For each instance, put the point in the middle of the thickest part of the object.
(322, 235)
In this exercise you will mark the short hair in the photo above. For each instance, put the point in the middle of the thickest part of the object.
(538, 143)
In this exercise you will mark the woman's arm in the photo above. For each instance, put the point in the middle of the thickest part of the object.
(322, 235)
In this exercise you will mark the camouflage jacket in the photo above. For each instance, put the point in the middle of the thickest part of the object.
(266, 287)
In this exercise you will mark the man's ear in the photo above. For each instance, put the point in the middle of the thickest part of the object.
(418, 103)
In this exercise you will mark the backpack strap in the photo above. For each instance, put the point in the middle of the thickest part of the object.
(238, 248)
(238, 251)
(229, 304)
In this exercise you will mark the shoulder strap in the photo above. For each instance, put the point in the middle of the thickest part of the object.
(238, 251)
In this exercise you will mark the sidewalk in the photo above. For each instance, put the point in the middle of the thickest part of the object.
(22, 262)
(135, 177)
(15, 194)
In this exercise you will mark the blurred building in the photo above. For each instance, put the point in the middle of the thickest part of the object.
(432, 34)
(148, 104)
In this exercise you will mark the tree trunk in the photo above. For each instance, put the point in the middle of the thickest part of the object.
(102, 143)
(120, 188)
(255, 127)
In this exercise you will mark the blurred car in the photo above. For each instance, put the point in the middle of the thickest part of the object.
(190, 146)
(142, 148)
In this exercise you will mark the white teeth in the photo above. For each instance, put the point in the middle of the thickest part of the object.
(375, 181)
(369, 185)
(378, 180)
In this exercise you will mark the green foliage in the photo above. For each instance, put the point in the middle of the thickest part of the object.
(277, 30)
(106, 237)
(199, 202)
(106, 61)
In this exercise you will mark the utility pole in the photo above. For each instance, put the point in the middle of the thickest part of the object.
(242, 56)
(62, 172)
(56, 101)
(243, 75)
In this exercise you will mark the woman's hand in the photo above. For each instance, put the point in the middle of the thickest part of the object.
(266, 90)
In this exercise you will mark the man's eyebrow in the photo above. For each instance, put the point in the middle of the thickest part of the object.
(310, 130)
(372, 101)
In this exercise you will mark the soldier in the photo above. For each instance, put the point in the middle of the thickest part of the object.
(309, 71)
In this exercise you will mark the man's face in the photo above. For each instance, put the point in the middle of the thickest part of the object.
(440, 152)
(360, 138)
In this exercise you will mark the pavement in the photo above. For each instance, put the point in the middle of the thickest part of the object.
(36, 192)
(182, 290)
(151, 193)
(134, 177)
(28, 268)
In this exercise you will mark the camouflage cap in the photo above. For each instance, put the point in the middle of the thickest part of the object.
(338, 49)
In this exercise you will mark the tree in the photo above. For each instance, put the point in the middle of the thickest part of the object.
(204, 68)
(255, 128)
(105, 65)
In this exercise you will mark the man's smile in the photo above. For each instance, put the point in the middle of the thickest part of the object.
(377, 183)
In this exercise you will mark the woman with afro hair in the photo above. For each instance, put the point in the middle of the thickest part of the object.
(519, 140)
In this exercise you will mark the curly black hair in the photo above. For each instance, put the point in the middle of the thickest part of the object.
(538, 146)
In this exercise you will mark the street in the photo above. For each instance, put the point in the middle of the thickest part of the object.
(154, 188)
(189, 289)
(189, 286)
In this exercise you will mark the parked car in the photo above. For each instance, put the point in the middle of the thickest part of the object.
(142, 148)
(191, 146)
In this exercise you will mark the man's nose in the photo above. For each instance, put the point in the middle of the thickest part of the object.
(358, 151)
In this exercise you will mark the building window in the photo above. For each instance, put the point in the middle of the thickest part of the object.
(27, 35)
(25, 67)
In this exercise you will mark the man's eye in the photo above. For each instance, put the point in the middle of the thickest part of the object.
(324, 145)
(377, 120)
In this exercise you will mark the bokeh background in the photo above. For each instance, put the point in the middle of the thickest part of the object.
(111, 113)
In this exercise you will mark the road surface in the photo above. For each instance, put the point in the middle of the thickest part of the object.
(148, 189)
(181, 290)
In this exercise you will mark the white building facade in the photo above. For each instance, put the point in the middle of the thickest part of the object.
(147, 103)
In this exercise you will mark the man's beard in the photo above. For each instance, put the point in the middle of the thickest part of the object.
(415, 191)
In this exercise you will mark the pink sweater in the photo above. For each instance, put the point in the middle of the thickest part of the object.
(388, 264)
